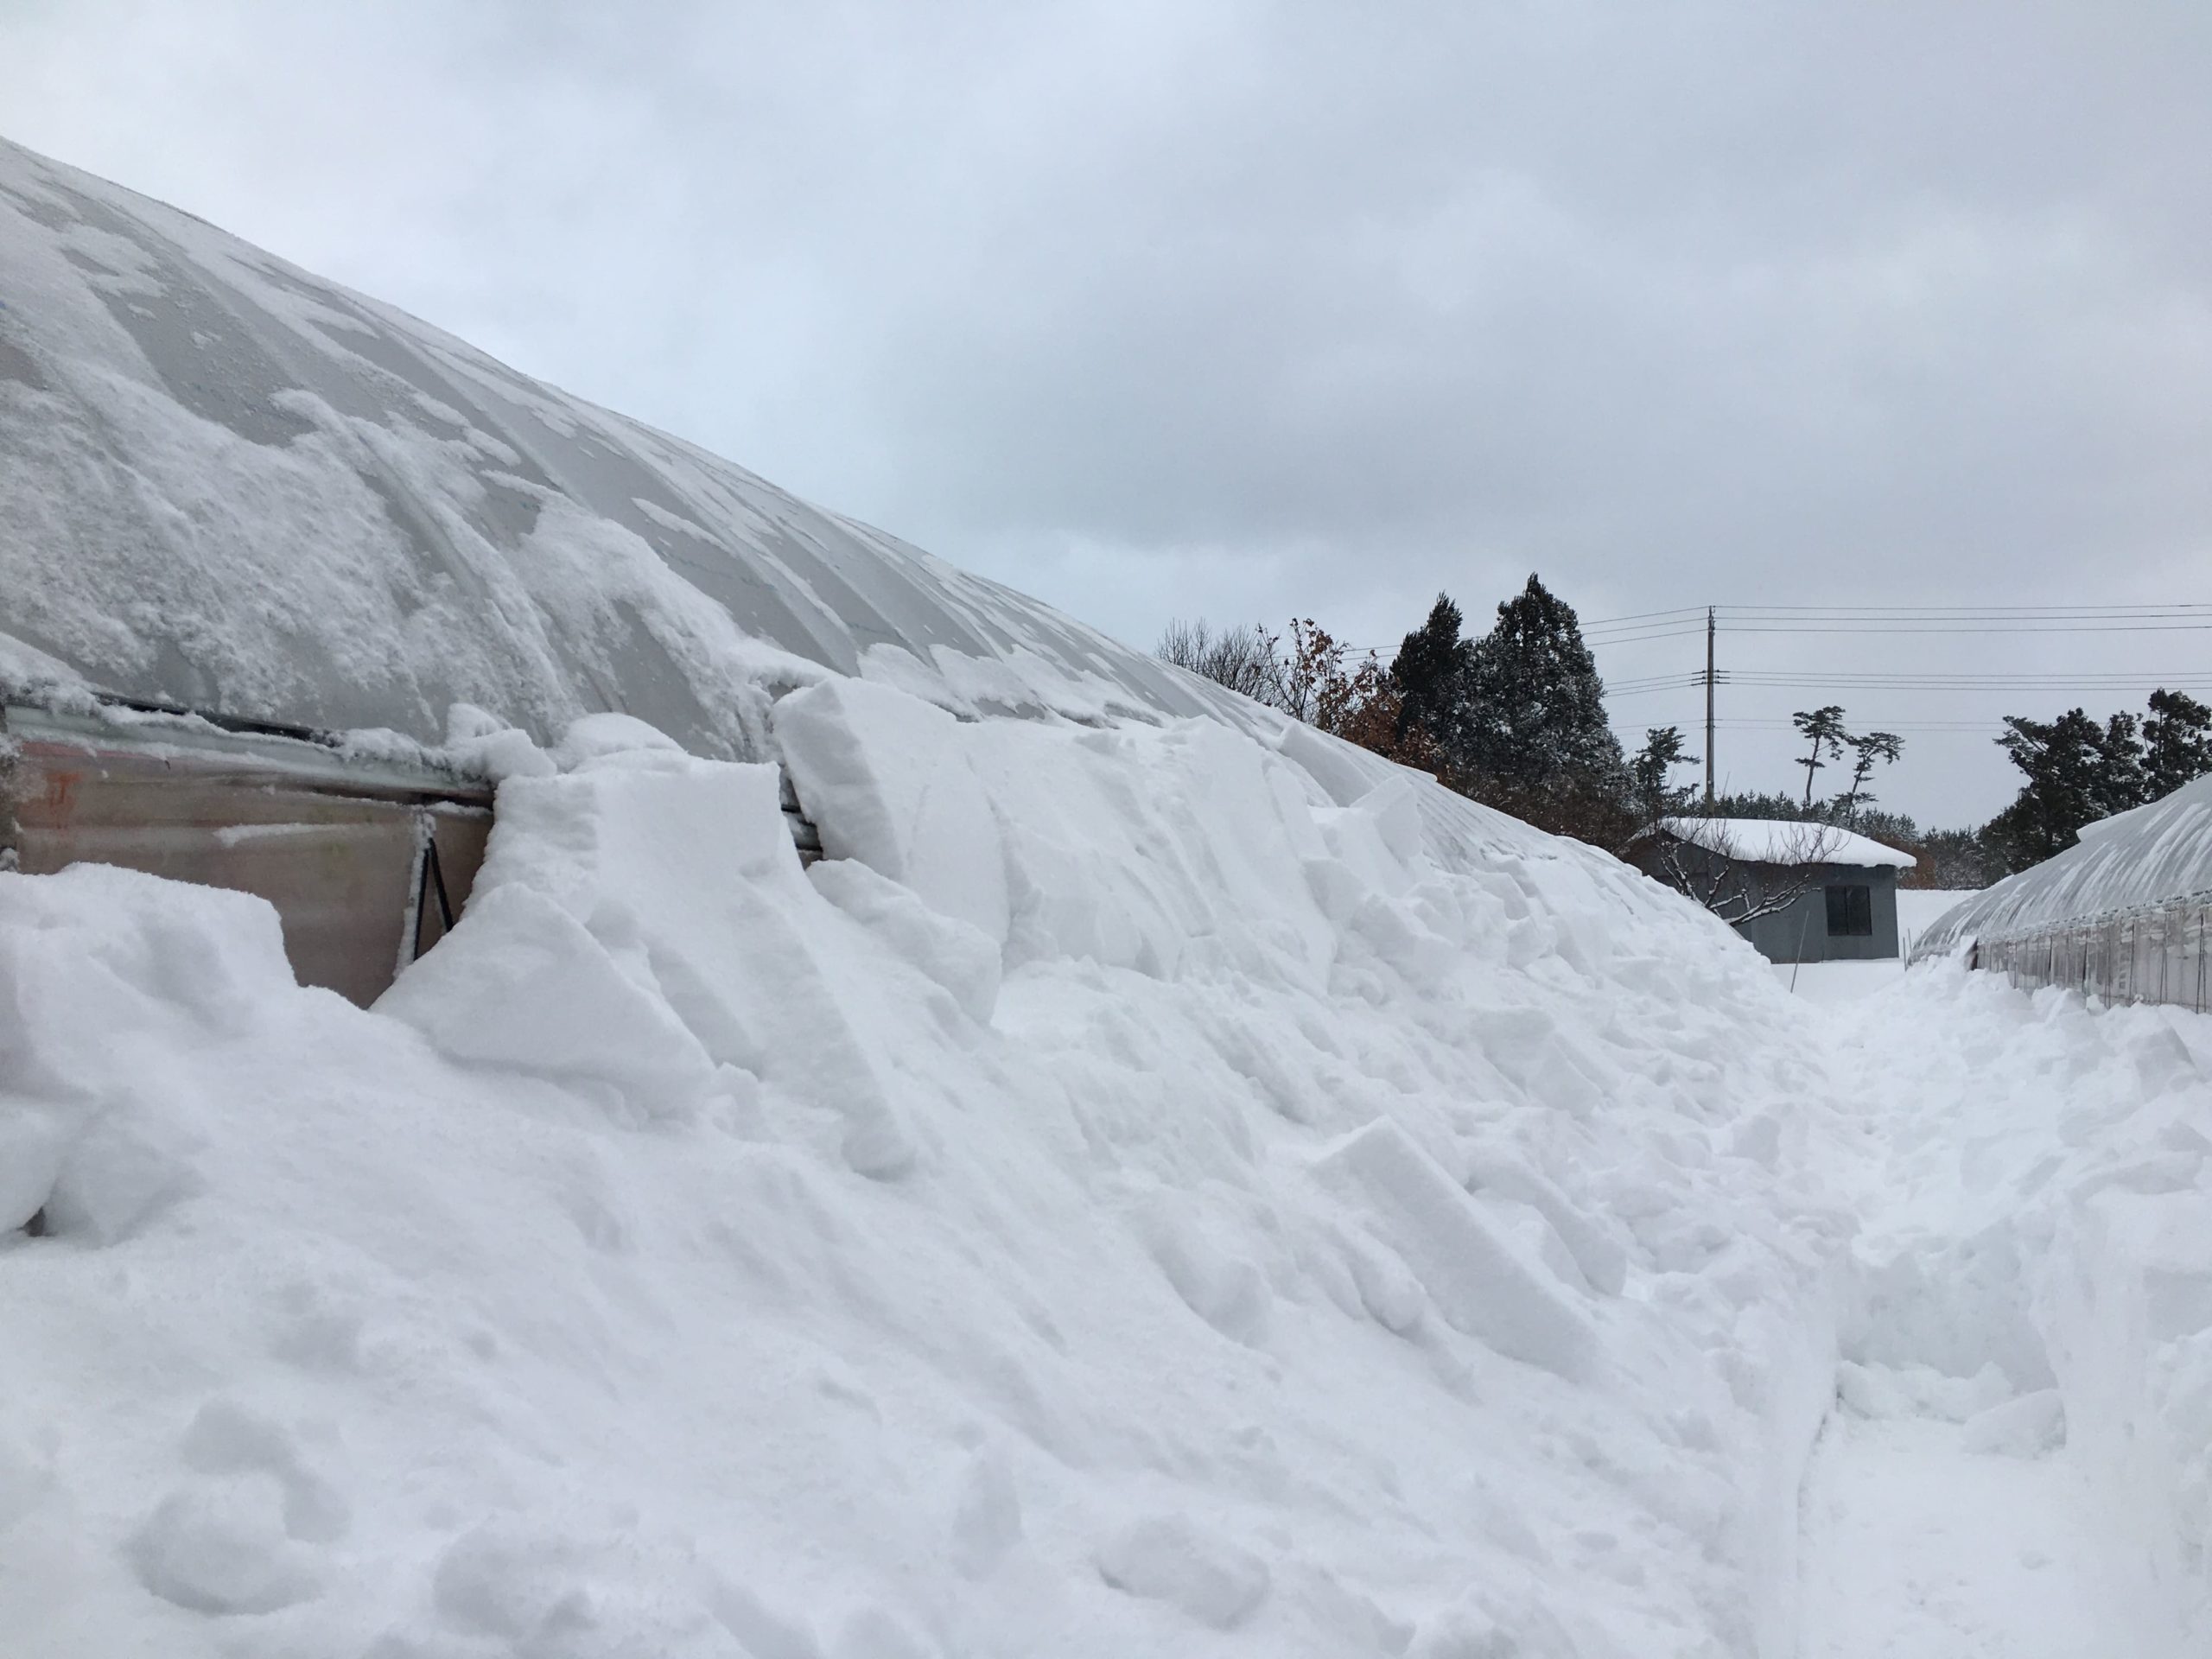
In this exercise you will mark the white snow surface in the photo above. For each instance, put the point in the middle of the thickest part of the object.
(227, 482)
(1301, 1232)
(1295, 1236)
(1788, 841)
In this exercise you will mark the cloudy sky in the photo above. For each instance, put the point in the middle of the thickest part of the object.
(1245, 310)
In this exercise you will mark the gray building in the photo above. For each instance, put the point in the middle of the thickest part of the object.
(1798, 892)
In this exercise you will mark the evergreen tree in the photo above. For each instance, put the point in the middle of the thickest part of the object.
(1823, 728)
(2177, 743)
(1952, 859)
(1653, 796)
(1430, 674)
(1536, 742)
(2077, 771)
(1868, 750)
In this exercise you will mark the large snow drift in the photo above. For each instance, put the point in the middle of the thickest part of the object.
(1132, 1202)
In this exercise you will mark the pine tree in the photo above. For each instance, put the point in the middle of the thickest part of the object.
(1430, 673)
(1823, 728)
(1868, 750)
(1537, 742)
(2177, 743)
(2077, 771)
(1653, 796)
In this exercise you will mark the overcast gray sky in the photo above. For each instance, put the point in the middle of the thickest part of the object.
(1245, 310)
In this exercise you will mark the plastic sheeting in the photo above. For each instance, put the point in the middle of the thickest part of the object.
(2122, 915)
(229, 483)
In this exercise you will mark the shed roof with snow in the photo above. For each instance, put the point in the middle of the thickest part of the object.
(1787, 840)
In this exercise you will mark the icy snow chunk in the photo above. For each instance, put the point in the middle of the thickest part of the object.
(483, 743)
(2024, 1427)
(682, 879)
(129, 1166)
(1215, 1281)
(105, 973)
(1509, 1618)
(1480, 1278)
(1920, 1391)
(1602, 1258)
(1337, 766)
(222, 1546)
(227, 1438)
(521, 984)
(1168, 1557)
(1393, 807)
(596, 737)
(883, 779)
(34, 1138)
(963, 961)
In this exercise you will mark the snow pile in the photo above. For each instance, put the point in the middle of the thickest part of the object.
(1144, 1193)
(1787, 840)
(2038, 1263)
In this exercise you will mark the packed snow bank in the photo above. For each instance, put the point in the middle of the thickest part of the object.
(1333, 1220)
(2038, 1258)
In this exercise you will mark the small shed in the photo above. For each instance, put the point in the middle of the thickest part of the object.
(1799, 892)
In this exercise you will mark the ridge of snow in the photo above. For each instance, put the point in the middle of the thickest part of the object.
(1311, 1231)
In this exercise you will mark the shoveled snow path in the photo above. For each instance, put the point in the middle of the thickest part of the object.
(2030, 1241)
(1917, 1548)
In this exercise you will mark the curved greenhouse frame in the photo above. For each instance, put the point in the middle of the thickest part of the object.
(2124, 914)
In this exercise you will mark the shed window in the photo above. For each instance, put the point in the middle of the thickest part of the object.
(1851, 913)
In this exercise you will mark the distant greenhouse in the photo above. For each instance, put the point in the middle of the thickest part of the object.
(2122, 915)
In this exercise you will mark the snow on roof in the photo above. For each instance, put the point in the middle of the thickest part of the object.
(2134, 861)
(229, 483)
(1787, 840)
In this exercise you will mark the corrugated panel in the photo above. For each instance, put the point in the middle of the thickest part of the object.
(345, 852)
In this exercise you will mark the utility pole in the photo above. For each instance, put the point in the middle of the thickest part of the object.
(1708, 709)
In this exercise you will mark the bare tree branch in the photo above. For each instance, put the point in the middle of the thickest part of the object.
(1702, 859)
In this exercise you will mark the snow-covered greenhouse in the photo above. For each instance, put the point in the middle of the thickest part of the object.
(2121, 915)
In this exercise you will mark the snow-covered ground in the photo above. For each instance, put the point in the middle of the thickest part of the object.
(1847, 981)
(1130, 1202)
(1127, 1199)
(1919, 1546)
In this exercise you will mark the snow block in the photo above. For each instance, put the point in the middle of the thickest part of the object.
(959, 959)
(1602, 1259)
(883, 778)
(669, 887)
(521, 984)
(2026, 1426)
(105, 974)
(1168, 1557)
(1215, 1279)
(1477, 1276)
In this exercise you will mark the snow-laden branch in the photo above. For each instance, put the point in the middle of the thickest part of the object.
(1712, 869)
